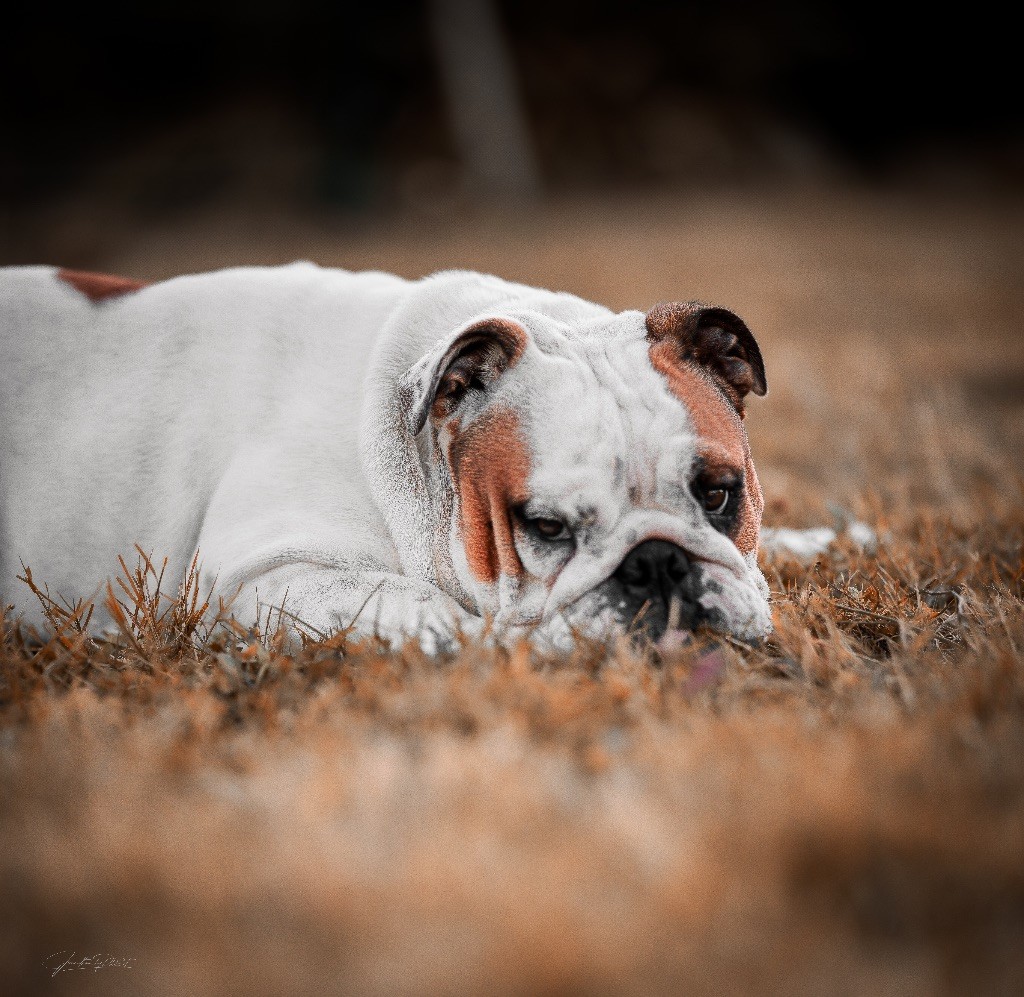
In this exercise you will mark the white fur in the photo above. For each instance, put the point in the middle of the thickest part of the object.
(259, 416)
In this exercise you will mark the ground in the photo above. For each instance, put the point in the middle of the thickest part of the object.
(840, 811)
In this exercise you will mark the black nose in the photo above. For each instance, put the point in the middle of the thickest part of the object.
(652, 576)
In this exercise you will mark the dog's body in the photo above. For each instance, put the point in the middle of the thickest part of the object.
(413, 457)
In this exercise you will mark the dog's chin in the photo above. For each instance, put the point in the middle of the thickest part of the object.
(729, 606)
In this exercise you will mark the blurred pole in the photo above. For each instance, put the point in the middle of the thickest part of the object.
(484, 105)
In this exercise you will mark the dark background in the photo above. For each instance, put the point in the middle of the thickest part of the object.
(329, 108)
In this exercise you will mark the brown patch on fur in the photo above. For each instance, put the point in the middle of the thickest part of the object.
(100, 286)
(719, 425)
(490, 466)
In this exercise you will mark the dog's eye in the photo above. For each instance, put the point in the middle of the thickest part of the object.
(715, 500)
(716, 492)
(550, 529)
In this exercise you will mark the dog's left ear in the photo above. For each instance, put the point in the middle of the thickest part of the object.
(475, 356)
(714, 338)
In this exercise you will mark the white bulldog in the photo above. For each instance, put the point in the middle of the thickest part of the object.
(411, 459)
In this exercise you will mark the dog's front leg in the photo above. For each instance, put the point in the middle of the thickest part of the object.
(291, 534)
(318, 600)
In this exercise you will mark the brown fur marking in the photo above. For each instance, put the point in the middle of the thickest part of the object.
(491, 466)
(100, 286)
(721, 432)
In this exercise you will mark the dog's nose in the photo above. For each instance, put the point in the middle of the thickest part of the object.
(654, 575)
(655, 567)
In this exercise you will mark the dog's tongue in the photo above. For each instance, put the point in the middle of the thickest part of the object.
(708, 669)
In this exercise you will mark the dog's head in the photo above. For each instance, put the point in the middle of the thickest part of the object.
(598, 474)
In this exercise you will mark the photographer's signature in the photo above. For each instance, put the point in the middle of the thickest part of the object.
(68, 960)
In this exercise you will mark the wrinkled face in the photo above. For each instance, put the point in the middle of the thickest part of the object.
(602, 479)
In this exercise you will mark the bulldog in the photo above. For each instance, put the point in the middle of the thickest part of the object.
(456, 454)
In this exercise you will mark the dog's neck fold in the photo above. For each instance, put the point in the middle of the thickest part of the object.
(406, 473)
(409, 481)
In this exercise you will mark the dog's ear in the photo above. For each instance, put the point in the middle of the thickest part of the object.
(474, 357)
(714, 338)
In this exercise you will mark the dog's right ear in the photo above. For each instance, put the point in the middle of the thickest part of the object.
(470, 358)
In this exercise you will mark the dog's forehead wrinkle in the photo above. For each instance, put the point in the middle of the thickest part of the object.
(594, 329)
(631, 396)
(600, 408)
(661, 445)
(599, 369)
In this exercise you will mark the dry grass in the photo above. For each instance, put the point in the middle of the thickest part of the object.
(841, 810)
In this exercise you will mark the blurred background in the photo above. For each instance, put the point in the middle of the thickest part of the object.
(849, 177)
(334, 115)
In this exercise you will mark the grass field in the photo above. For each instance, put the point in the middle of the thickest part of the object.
(840, 811)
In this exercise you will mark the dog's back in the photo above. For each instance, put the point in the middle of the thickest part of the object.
(121, 404)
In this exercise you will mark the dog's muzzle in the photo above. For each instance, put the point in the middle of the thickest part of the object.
(660, 584)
